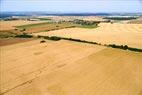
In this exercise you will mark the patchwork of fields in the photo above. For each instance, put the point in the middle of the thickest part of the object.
(37, 66)
(34, 26)
(46, 26)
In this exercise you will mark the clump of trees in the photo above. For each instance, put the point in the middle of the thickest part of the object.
(42, 41)
(118, 46)
(85, 22)
(78, 40)
(54, 38)
(24, 35)
(125, 47)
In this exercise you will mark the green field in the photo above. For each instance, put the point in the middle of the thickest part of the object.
(33, 25)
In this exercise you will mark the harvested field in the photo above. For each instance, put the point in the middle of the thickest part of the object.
(69, 68)
(106, 33)
(10, 41)
(135, 21)
(9, 25)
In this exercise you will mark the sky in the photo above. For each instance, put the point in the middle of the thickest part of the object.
(76, 6)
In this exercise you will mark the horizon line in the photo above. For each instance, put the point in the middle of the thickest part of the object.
(69, 12)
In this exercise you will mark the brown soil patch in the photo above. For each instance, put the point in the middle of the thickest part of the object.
(9, 41)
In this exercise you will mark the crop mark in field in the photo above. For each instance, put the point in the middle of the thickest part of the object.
(27, 82)
(38, 72)
(62, 65)
(38, 53)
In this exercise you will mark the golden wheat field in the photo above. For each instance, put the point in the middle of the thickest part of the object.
(8, 25)
(106, 33)
(70, 47)
(69, 68)
(29, 67)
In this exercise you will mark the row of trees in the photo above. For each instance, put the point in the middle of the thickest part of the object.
(120, 18)
(124, 47)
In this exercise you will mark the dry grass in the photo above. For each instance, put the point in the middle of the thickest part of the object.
(69, 68)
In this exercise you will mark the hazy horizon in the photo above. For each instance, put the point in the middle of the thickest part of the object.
(57, 12)
(72, 6)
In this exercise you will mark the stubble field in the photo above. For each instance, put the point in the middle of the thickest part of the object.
(69, 68)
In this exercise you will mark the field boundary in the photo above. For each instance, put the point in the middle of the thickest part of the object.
(123, 47)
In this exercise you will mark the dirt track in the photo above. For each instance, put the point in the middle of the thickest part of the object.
(125, 34)
(69, 68)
